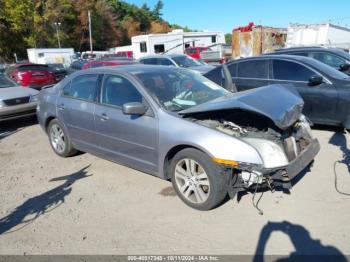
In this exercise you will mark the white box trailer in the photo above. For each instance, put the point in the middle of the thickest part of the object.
(174, 42)
(325, 34)
(51, 55)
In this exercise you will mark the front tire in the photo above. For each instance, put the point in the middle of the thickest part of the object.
(59, 139)
(197, 180)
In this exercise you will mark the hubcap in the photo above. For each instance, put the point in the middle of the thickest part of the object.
(57, 138)
(192, 181)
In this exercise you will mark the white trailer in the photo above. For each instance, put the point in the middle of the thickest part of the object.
(174, 42)
(51, 55)
(325, 34)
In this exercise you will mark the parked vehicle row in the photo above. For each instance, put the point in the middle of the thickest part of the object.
(178, 61)
(333, 57)
(325, 90)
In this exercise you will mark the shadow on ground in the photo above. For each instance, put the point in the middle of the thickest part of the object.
(10, 127)
(306, 248)
(41, 204)
(339, 139)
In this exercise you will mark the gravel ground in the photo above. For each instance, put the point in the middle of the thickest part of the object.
(86, 205)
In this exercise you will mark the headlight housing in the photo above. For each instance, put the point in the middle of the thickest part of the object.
(2, 104)
(271, 153)
(33, 98)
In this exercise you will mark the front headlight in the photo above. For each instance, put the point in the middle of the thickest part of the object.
(33, 98)
(2, 104)
(271, 153)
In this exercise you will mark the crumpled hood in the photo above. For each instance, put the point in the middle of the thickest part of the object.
(16, 92)
(281, 103)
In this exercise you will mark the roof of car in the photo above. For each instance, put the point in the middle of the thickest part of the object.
(162, 56)
(309, 48)
(134, 69)
(302, 59)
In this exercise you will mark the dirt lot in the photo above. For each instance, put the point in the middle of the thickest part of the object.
(86, 205)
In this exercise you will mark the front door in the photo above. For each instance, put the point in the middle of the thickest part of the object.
(128, 139)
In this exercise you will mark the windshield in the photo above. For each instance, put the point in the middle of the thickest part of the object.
(185, 61)
(6, 82)
(177, 90)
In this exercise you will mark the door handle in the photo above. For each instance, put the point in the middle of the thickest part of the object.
(61, 107)
(104, 117)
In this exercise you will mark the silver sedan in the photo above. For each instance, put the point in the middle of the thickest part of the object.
(178, 125)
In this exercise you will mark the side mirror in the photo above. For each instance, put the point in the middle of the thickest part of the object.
(344, 67)
(134, 108)
(315, 80)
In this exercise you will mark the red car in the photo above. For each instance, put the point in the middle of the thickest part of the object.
(31, 75)
(195, 52)
(93, 64)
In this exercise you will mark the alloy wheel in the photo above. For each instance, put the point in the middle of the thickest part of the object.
(192, 180)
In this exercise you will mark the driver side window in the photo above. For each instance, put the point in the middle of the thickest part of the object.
(117, 91)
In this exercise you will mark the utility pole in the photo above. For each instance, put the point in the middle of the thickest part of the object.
(90, 33)
(57, 25)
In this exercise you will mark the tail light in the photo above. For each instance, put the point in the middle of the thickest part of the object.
(23, 78)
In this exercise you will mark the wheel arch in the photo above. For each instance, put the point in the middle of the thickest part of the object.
(172, 152)
(47, 121)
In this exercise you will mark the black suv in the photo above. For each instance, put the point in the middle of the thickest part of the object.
(333, 57)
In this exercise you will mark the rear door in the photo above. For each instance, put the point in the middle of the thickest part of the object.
(76, 107)
(250, 74)
(128, 139)
(320, 101)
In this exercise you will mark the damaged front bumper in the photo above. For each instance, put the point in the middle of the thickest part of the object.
(281, 176)
(297, 165)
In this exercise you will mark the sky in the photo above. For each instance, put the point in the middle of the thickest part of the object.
(224, 15)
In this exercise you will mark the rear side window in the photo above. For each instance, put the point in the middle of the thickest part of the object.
(117, 91)
(253, 69)
(149, 61)
(82, 87)
(329, 59)
(163, 61)
(287, 70)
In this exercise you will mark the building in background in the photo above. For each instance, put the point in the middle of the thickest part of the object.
(50, 55)
(174, 42)
(325, 34)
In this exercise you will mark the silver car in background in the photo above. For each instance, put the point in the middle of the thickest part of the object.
(176, 60)
(16, 101)
(176, 124)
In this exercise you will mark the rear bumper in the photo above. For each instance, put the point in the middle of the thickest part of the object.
(18, 111)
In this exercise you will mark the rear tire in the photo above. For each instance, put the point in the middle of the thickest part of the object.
(197, 180)
(59, 139)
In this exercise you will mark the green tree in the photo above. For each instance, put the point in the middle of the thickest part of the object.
(228, 38)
